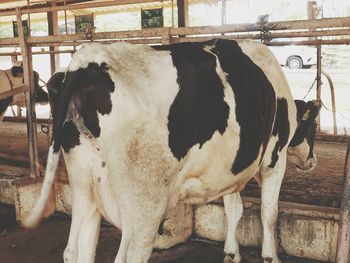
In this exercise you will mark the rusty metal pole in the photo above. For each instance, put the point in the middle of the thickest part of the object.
(343, 246)
(319, 82)
(30, 102)
(334, 110)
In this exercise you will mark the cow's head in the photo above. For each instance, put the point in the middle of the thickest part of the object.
(40, 95)
(300, 151)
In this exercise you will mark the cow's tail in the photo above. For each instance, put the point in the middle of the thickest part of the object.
(38, 211)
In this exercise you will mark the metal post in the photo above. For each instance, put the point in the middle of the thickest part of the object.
(223, 12)
(319, 82)
(343, 246)
(334, 111)
(65, 18)
(172, 14)
(29, 81)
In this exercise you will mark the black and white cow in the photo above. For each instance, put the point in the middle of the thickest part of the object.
(143, 128)
(13, 78)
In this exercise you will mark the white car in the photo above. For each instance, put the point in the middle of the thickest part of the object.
(295, 56)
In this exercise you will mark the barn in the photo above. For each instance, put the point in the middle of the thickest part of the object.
(174, 131)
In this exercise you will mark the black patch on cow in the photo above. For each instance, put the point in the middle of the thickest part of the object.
(306, 125)
(161, 228)
(70, 136)
(255, 101)
(4, 103)
(281, 129)
(89, 90)
(199, 108)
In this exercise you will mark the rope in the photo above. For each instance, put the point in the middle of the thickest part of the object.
(311, 87)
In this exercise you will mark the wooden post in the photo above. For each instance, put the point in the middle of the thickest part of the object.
(166, 37)
(52, 20)
(183, 13)
(29, 81)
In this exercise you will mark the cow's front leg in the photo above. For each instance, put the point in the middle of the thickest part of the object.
(233, 209)
(271, 184)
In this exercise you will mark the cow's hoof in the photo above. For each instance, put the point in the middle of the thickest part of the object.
(232, 258)
(271, 260)
(69, 256)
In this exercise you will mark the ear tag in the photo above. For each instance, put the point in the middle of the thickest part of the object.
(306, 115)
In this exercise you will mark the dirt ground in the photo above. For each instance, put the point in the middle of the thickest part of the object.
(322, 186)
(46, 245)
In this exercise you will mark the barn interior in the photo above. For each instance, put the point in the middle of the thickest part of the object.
(44, 34)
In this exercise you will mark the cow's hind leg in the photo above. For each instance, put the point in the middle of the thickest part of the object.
(233, 209)
(85, 222)
(88, 236)
(271, 184)
(139, 229)
(84, 229)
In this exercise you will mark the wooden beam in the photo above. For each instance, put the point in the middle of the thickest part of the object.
(30, 102)
(234, 30)
(14, 54)
(78, 6)
(344, 41)
(37, 5)
(13, 92)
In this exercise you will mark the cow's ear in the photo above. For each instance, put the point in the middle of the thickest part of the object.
(17, 71)
(312, 111)
(53, 86)
(307, 111)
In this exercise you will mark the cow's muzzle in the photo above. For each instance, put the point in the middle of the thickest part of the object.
(308, 166)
